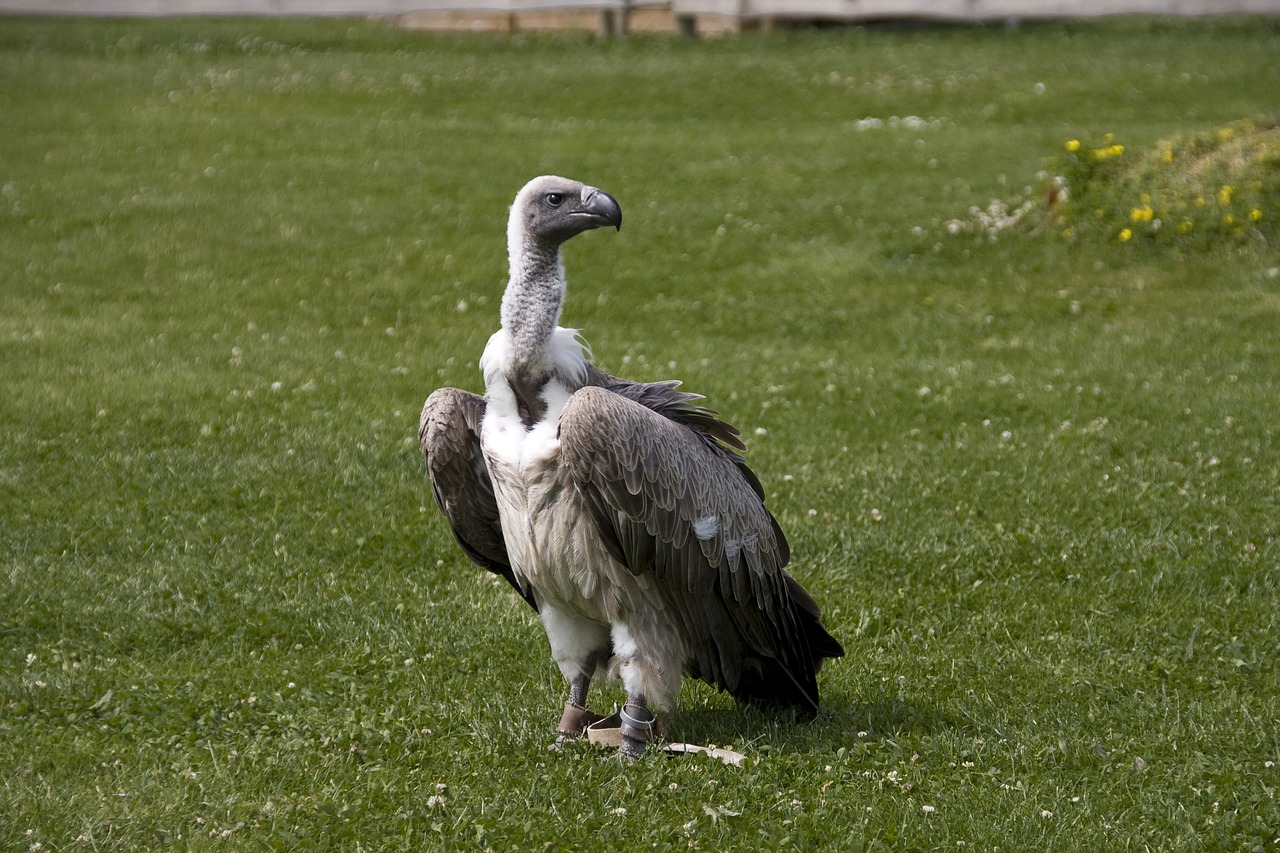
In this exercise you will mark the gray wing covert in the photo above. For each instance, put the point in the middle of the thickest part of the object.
(449, 435)
(670, 500)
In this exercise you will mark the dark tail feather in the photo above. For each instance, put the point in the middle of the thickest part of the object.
(770, 684)
(821, 644)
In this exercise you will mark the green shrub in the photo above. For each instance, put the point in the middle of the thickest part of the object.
(1189, 190)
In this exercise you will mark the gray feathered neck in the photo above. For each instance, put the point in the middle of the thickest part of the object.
(534, 296)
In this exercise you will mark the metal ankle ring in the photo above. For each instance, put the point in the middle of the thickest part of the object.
(644, 725)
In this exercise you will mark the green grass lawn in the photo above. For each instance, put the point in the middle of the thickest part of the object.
(1034, 482)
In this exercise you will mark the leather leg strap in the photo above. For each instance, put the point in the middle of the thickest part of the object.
(576, 719)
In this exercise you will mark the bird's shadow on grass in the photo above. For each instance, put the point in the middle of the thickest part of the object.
(843, 719)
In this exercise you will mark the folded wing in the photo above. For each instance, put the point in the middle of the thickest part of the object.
(449, 435)
(672, 501)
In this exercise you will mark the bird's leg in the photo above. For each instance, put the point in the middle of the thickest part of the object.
(576, 717)
(639, 725)
(581, 683)
(576, 646)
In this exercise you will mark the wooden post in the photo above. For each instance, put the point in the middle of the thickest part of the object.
(616, 22)
(687, 26)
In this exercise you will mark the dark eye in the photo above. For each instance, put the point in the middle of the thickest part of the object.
(555, 199)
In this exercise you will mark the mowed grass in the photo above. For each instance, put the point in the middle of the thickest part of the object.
(1034, 483)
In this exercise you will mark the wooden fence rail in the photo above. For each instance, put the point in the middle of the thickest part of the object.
(616, 16)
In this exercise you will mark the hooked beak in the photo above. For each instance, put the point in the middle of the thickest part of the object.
(599, 209)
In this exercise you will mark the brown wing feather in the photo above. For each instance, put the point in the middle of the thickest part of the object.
(679, 406)
(449, 435)
(654, 484)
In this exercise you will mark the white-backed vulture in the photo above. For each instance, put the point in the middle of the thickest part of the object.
(622, 512)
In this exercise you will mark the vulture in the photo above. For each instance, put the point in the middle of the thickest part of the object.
(622, 512)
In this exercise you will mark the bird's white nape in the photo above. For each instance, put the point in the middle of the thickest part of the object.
(567, 356)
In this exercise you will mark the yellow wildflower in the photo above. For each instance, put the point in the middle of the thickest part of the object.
(1141, 214)
(1125, 235)
(1073, 145)
(1255, 215)
(1185, 226)
(1224, 195)
(1228, 220)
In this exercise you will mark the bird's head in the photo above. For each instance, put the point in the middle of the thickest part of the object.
(550, 210)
